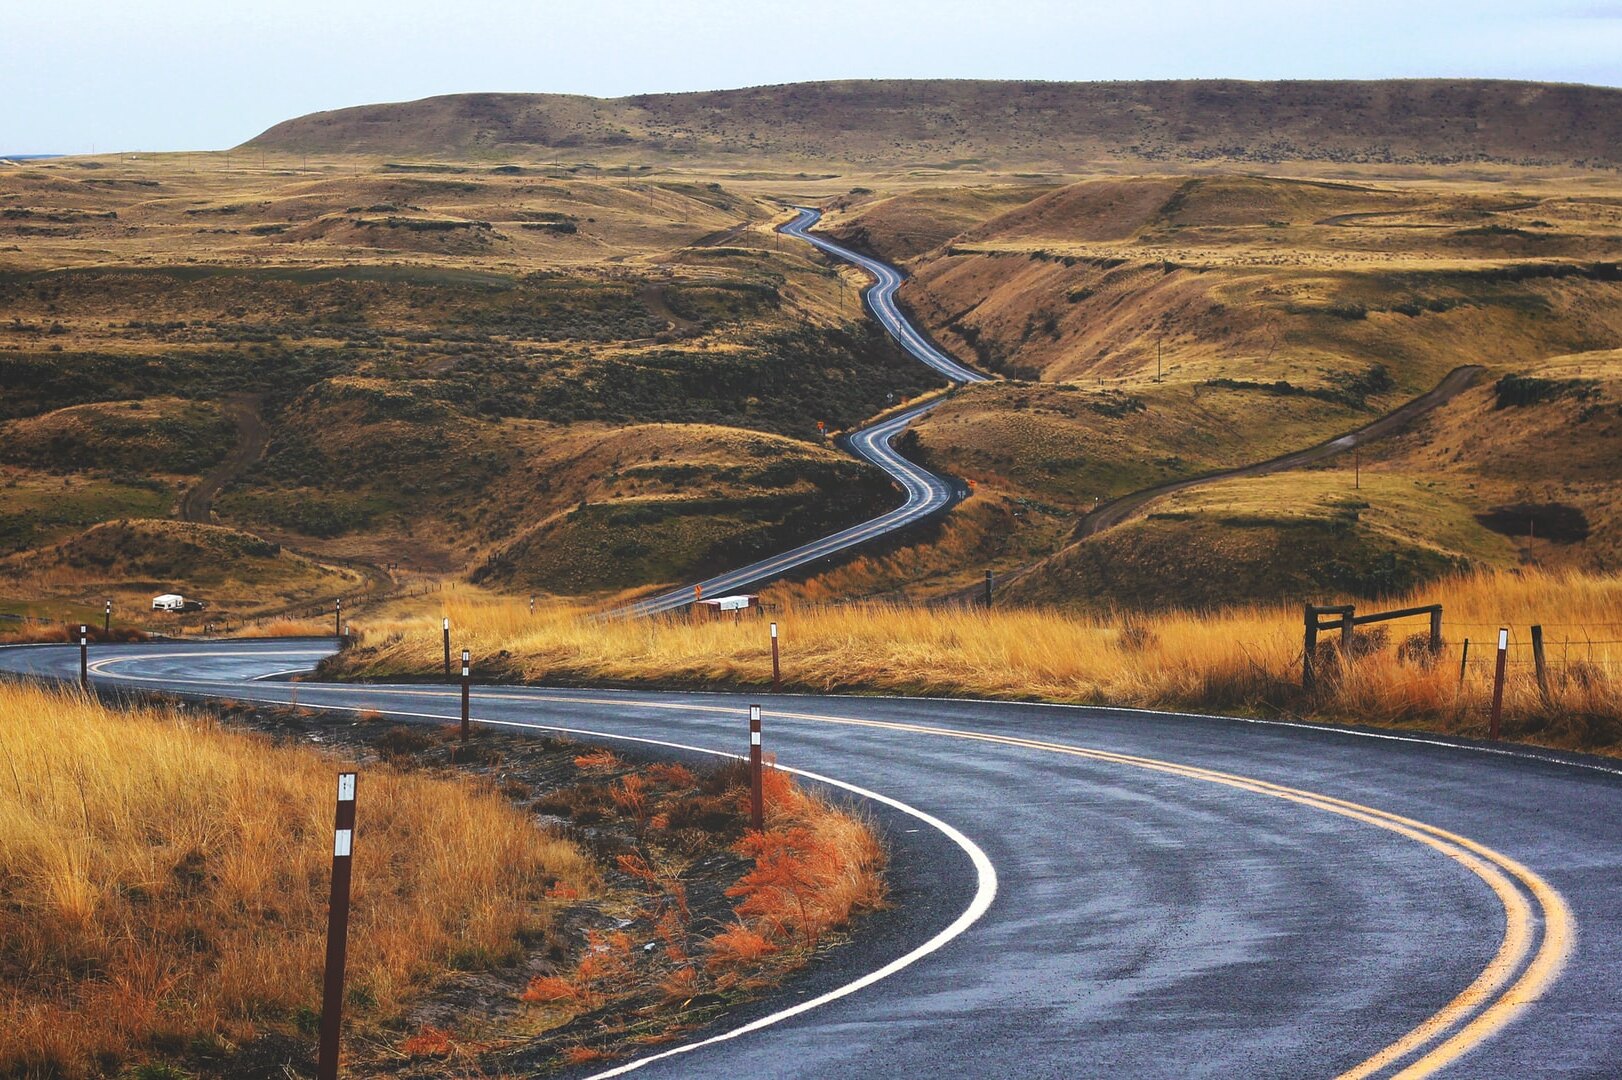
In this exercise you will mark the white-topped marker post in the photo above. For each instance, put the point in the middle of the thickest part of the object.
(467, 677)
(757, 804)
(332, 994)
(777, 670)
(1498, 682)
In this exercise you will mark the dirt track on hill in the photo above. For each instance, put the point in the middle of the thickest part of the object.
(197, 505)
(1117, 510)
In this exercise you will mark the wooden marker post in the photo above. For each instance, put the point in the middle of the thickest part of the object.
(445, 625)
(777, 670)
(1498, 683)
(757, 803)
(84, 657)
(332, 993)
(466, 679)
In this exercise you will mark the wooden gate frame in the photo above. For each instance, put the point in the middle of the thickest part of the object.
(1346, 618)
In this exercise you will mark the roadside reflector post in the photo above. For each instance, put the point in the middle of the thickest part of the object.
(107, 619)
(1498, 683)
(332, 992)
(445, 625)
(532, 603)
(338, 620)
(1538, 664)
(84, 657)
(988, 588)
(757, 803)
(466, 679)
(777, 670)
(1464, 660)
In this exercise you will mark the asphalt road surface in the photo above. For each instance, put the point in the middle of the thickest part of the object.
(1100, 892)
(926, 492)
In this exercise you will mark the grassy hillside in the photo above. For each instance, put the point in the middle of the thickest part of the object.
(965, 124)
(1164, 327)
(541, 379)
(130, 560)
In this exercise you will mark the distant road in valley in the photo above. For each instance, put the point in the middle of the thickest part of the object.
(927, 493)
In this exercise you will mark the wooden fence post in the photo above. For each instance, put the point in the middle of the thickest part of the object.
(1464, 660)
(1309, 649)
(1538, 664)
(1436, 630)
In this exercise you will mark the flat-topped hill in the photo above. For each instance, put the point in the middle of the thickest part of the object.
(968, 123)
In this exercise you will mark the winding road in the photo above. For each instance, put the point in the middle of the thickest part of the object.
(926, 492)
(1104, 892)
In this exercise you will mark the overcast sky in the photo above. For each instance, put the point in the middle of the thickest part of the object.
(206, 74)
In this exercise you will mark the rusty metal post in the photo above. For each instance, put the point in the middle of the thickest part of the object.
(1498, 683)
(1538, 664)
(332, 994)
(466, 679)
(1464, 660)
(757, 802)
(777, 668)
(84, 657)
(445, 625)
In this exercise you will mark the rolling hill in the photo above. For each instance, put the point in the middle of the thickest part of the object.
(966, 124)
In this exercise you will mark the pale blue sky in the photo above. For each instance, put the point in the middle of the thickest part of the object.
(205, 74)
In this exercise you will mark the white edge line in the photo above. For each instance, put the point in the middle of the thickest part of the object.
(985, 874)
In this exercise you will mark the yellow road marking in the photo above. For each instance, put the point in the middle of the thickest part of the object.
(1492, 1006)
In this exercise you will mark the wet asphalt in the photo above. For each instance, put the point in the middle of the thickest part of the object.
(1144, 922)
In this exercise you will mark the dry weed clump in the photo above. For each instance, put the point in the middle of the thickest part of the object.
(163, 884)
(1243, 658)
(809, 872)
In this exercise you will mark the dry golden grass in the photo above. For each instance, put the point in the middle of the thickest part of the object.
(1245, 658)
(163, 881)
